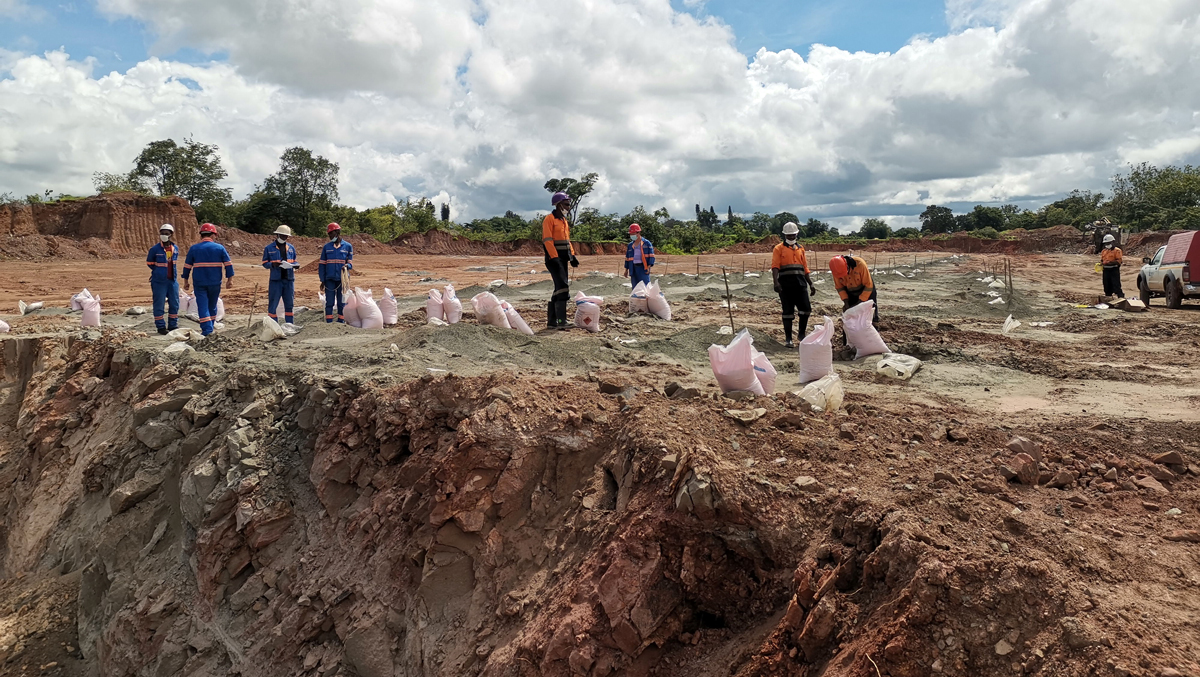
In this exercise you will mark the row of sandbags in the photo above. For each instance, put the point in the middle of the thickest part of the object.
(649, 299)
(444, 305)
(492, 311)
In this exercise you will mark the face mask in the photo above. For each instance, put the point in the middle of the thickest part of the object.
(165, 238)
(1108, 246)
(633, 238)
(281, 240)
(790, 239)
(334, 236)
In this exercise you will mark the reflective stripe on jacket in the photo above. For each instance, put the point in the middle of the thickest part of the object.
(556, 236)
(857, 282)
(1111, 258)
(272, 253)
(163, 265)
(647, 254)
(207, 258)
(789, 260)
(335, 256)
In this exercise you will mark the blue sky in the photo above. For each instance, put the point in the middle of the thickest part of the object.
(853, 25)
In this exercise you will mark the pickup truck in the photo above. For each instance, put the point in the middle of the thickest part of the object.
(1169, 273)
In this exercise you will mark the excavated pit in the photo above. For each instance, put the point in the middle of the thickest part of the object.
(215, 517)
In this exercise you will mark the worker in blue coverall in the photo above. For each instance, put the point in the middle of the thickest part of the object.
(279, 257)
(639, 256)
(163, 261)
(335, 255)
(207, 258)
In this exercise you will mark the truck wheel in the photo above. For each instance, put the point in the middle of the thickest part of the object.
(1174, 295)
(1144, 292)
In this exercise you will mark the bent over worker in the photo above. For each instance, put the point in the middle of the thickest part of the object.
(852, 279)
(336, 255)
(556, 238)
(793, 283)
(207, 258)
(1110, 262)
(162, 260)
(639, 256)
(279, 257)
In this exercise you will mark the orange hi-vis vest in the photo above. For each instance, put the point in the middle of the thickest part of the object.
(1111, 258)
(556, 236)
(789, 260)
(857, 282)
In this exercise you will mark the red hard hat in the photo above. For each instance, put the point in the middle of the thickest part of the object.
(635, 228)
(837, 266)
(332, 227)
(208, 228)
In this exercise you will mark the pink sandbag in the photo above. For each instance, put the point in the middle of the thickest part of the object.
(514, 319)
(489, 311)
(434, 309)
(816, 353)
(369, 315)
(91, 312)
(733, 365)
(451, 305)
(860, 333)
(4, 328)
(587, 311)
(220, 310)
(350, 312)
(389, 308)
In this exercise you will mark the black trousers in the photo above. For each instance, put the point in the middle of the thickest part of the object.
(796, 304)
(1112, 282)
(556, 309)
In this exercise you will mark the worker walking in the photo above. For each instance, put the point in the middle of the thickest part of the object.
(336, 255)
(793, 281)
(279, 257)
(556, 238)
(639, 256)
(163, 260)
(852, 279)
(207, 258)
(1110, 262)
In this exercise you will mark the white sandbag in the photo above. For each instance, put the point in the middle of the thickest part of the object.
(587, 311)
(178, 349)
(321, 298)
(733, 365)
(280, 310)
(1010, 325)
(825, 394)
(350, 311)
(29, 307)
(860, 334)
(269, 330)
(897, 365)
(451, 305)
(433, 306)
(368, 311)
(765, 372)
(4, 328)
(91, 313)
(135, 310)
(816, 352)
(220, 310)
(514, 319)
(389, 308)
(997, 284)
(187, 305)
(78, 299)
(184, 335)
(489, 311)
(656, 301)
(637, 299)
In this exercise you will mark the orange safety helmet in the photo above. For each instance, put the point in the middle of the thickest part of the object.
(635, 228)
(208, 228)
(332, 227)
(837, 266)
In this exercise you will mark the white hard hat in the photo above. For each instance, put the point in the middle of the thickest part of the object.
(790, 228)
(166, 226)
(283, 230)
(1109, 238)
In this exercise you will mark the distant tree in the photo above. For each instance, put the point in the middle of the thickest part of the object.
(190, 171)
(416, 216)
(907, 232)
(986, 232)
(964, 222)
(760, 224)
(729, 218)
(445, 212)
(114, 183)
(875, 229)
(304, 182)
(814, 228)
(577, 190)
(937, 219)
(781, 218)
(1151, 198)
(708, 219)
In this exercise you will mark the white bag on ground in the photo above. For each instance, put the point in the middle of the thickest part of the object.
(860, 334)
(489, 311)
(816, 352)
(270, 330)
(638, 298)
(587, 311)
(281, 310)
(389, 307)
(765, 372)
(368, 311)
(656, 301)
(825, 394)
(178, 349)
(4, 328)
(433, 306)
(514, 318)
(898, 365)
(1010, 325)
(321, 298)
(220, 310)
(733, 365)
(27, 307)
(452, 305)
(187, 305)
(91, 312)
(78, 299)
(350, 312)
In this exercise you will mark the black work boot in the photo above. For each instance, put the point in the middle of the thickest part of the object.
(560, 308)
(551, 315)
(162, 331)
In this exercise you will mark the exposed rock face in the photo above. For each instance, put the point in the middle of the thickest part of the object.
(128, 221)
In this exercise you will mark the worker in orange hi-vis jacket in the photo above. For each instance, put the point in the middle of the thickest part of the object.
(852, 279)
(789, 268)
(556, 238)
(1110, 263)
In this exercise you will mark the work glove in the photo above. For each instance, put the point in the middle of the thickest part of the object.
(778, 288)
(812, 291)
(574, 261)
(846, 305)
(275, 264)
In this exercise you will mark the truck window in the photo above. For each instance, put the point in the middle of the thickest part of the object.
(1158, 256)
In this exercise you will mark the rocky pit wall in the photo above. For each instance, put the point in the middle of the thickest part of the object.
(118, 224)
(207, 517)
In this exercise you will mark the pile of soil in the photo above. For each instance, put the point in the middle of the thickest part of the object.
(127, 222)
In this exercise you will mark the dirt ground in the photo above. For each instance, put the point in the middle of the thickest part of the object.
(917, 554)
